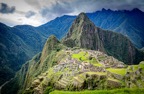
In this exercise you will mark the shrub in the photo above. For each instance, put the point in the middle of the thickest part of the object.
(48, 90)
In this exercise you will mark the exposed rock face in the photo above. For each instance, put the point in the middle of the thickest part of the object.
(119, 46)
(28, 40)
(61, 67)
(83, 33)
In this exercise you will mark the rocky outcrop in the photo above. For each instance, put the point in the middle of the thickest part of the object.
(66, 68)
(83, 33)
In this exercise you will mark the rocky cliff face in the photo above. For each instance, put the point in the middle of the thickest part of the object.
(119, 46)
(78, 65)
(26, 40)
(83, 33)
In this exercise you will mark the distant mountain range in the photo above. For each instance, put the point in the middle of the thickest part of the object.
(80, 61)
(20, 43)
(84, 34)
(128, 23)
(17, 45)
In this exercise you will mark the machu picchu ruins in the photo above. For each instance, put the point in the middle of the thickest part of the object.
(87, 69)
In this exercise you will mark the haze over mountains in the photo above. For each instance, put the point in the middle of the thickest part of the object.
(74, 64)
(20, 43)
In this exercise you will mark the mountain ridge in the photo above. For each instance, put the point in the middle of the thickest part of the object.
(84, 34)
(132, 27)
(80, 24)
(17, 45)
(36, 76)
(77, 68)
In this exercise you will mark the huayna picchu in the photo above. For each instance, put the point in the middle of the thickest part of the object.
(87, 58)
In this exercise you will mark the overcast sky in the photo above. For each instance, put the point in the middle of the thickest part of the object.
(37, 12)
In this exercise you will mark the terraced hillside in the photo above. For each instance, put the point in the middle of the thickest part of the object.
(62, 68)
(84, 34)
(19, 43)
(84, 59)
(81, 69)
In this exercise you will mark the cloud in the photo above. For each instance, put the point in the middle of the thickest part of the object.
(53, 8)
(34, 3)
(29, 14)
(5, 9)
(56, 9)
(10, 22)
(46, 10)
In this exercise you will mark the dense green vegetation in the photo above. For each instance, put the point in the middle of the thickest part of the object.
(142, 65)
(121, 71)
(17, 45)
(26, 40)
(82, 56)
(116, 91)
(85, 57)
(59, 67)
(102, 40)
(54, 69)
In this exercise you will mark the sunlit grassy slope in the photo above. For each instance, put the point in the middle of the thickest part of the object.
(84, 56)
(116, 91)
(121, 71)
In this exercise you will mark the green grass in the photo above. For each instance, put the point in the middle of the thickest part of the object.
(95, 62)
(114, 80)
(130, 68)
(115, 91)
(121, 71)
(50, 72)
(82, 76)
(82, 56)
(142, 65)
(135, 67)
(97, 73)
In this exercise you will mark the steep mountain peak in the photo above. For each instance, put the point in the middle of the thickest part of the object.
(78, 26)
(51, 42)
(136, 10)
(50, 45)
(53, 39)
(106, 10)
(82, 33)
(82, 16)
